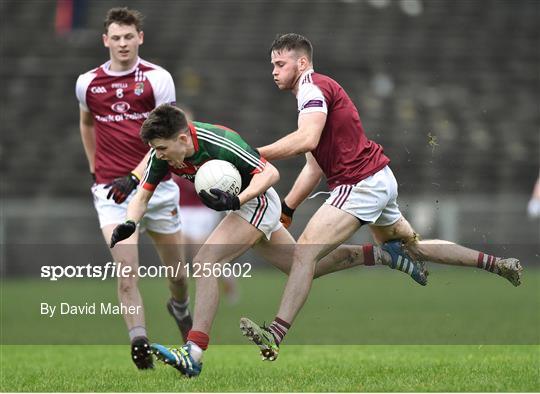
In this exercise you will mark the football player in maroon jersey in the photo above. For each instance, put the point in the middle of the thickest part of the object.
(114, 99)
(363, 190)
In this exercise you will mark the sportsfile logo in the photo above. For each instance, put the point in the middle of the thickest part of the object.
(98, 89)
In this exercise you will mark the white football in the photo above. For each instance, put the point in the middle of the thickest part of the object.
(218, 174)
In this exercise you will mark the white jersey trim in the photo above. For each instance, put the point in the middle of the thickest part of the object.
(160, 79)
(162, 84)
(310, 98)
(81, 87)
(107, 69)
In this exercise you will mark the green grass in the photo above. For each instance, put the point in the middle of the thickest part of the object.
(368, 329)
(299, 368)
(367, 306)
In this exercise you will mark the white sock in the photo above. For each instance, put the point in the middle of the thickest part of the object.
(196, 352)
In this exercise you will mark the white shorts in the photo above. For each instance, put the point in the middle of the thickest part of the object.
(372, 200)
(199, 221)
(263, 212)
(161, 216)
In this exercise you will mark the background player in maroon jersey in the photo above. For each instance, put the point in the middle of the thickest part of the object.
(115, 98)
(363, 189)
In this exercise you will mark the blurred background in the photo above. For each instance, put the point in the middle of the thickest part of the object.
(450, 88)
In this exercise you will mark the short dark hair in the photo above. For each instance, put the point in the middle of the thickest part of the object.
(123, 16)
(292, 42)
(165, 121)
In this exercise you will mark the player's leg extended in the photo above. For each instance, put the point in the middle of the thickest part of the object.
(279, 252)
(126, 254)
(169, 249)
(326, 230)
(445, 252)
(231, 238)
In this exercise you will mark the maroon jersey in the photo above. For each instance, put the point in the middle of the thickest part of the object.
(344, 153)
(188, 194)
(119, 103)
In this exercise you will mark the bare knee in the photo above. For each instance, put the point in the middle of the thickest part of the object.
(127, 285)
(178, 281)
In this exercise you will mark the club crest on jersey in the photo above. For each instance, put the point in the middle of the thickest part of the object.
(139, 88)
(120, 107)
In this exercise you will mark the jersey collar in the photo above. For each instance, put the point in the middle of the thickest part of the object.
(302, 79)
(194, 137)
(106, 67)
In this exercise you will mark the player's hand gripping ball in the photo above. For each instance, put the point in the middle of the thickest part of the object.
(218, 183)
(224, 201)
(218, 174)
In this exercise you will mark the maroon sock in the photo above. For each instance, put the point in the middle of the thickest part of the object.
(279, 328)
(369, 256)
(199, 338)
(487, 262)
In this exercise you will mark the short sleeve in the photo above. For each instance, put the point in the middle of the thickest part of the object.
(163, 86)
(156, 170)
(81, 87)
(311, 99)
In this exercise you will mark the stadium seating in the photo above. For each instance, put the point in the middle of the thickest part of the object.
(464, 72)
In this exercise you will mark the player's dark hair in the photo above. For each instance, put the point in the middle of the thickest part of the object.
(292, 42)
(165, 121)
(123, 16)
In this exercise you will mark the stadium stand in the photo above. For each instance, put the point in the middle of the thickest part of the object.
(451, 93)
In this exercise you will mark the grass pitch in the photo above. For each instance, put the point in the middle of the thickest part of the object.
(369, 329)
(236, 368)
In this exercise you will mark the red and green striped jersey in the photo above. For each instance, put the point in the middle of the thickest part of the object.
(210, 142)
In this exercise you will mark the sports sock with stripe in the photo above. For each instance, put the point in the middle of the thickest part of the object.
(180, 309)
(487, 262)
(279, 328)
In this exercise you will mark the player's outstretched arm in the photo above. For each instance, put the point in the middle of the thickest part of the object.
(305, 183)
(86, 125)
(137, 206)
(136, 209)
(305, 139)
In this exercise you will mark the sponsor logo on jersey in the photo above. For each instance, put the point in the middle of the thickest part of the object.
(139, 88)
(119, 85)
(137, 116)
(120, 107)
(98, 89)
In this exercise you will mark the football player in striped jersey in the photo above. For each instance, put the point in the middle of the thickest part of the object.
(181, 147)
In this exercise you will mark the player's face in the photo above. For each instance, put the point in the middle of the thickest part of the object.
(286, 69)
(171, 150)
(123, 42)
